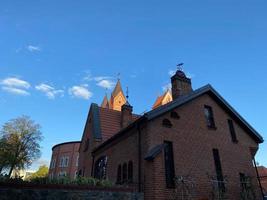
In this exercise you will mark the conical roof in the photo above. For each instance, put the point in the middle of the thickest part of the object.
(105, 103)
(117, 89)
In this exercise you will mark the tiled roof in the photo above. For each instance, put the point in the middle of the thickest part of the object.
(262, 171)
(196, 93)
(110, 122)
(158, 101)
(105, 102)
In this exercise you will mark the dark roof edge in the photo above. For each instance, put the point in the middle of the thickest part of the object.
(119, 134)
(178, 102)
(63, 143)
(260, 138)
(207, 88)
(87, 118)
(96, 121)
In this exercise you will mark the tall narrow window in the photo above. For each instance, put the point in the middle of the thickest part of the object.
(169, 164)
(119, 175)
(130, 171)
(124, 173)
(100, 171)
(209, 116)
(66, 161)
(218, 168)
(232, 131)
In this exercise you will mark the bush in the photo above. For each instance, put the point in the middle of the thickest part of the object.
(59, 181)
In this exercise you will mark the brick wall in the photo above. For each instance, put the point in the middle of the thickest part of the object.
(70, 150)
(66, 194)
(193, 142)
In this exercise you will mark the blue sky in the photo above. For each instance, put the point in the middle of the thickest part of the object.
(56, 57)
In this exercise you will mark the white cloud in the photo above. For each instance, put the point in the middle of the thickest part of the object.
(15, 86)
(101, 81)
(106, 83)
(16, 91)
(49, 91)
(80, 91)
(166, 87)
(100, 78)
(15, 82)
(32, 48)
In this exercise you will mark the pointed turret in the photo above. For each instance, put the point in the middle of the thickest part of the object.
(117, 98)
(105, 102)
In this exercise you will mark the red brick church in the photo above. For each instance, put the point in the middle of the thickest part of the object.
(191, 145)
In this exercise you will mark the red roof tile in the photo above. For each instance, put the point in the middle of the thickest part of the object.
(110, 122)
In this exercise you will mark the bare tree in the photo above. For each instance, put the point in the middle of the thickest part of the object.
(21, 137)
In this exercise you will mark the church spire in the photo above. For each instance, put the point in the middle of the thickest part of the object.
(117, 98)
(105, 103)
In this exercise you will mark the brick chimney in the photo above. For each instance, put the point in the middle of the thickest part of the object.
(181, 85)
(126, 114)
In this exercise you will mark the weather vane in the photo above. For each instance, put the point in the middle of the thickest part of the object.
(180, 66)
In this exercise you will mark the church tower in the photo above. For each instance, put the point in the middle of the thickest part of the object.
(117, 98)
(105, 102)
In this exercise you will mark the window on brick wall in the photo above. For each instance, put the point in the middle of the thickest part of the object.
(124, 172)
(218, 168)
(100, 171)
(77, 161)
(53, 163)
(169, 164)
(166, 123)
(66, 161)
(130, 171)
(232, 130)
(62, 174)
(209, 116)
(119, 174)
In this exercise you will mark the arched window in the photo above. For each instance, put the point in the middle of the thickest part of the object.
(119, 174)
(100, 171)
(166, 123)
(130, 171)
(175, 115)
(124, 173)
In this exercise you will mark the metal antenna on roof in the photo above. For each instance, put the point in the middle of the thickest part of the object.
(180, 66)
(127, 93)
(118, 75)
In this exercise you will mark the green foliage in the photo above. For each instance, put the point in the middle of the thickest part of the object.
(42, 172)
(83, 181)
(19, 140)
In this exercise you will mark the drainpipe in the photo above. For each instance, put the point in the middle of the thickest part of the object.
(139, 158)
(254, 161)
